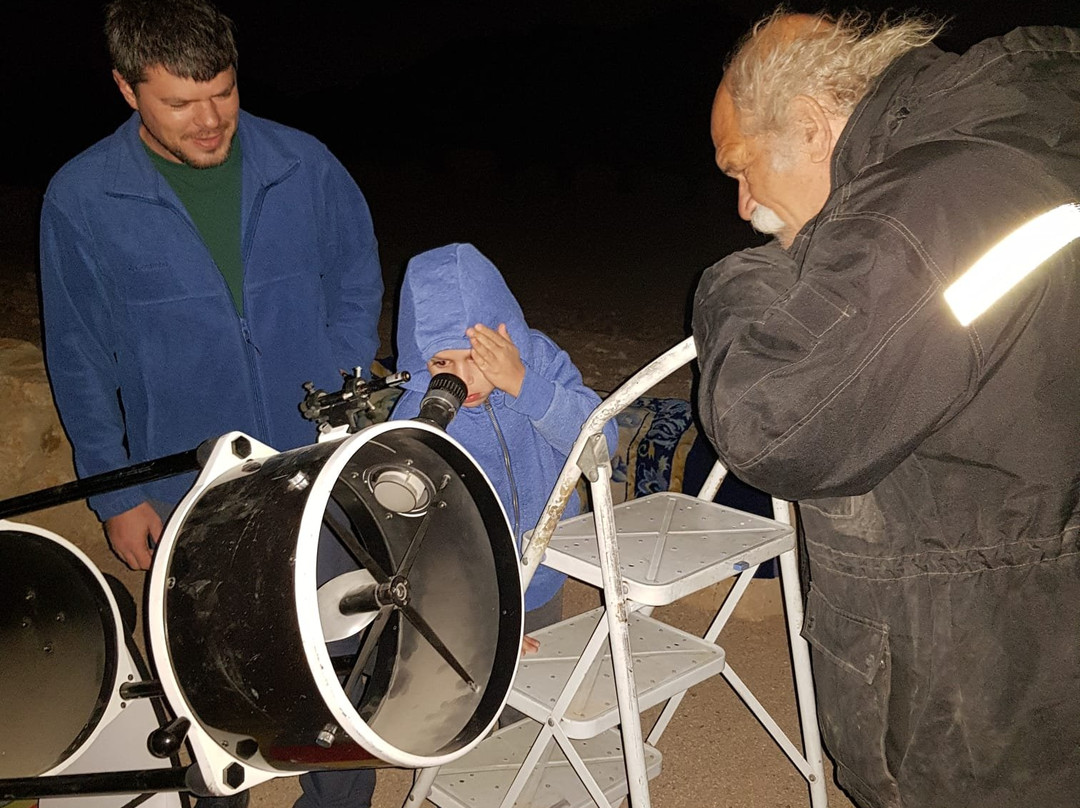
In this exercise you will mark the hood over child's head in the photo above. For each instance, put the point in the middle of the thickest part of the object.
(445, 291)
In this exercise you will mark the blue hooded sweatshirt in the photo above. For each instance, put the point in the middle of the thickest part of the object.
(521, 443)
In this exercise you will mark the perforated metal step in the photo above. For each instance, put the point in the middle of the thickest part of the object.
(482, 778)
(666, 661)
(670, 545)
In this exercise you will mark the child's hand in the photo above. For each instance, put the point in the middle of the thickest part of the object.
(497, 357)
(529, 645)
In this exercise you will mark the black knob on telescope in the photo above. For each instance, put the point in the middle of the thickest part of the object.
(443, 398)
(168, 740)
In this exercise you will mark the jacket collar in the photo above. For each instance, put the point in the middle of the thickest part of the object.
(877, 117)
(867, 133)
(129, 171)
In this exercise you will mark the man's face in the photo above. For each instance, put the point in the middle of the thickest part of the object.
(779, 190)
(461, 363)
(184, 120)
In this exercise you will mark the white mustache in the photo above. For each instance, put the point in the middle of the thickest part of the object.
(765, 220)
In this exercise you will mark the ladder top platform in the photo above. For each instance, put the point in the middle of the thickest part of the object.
(670, 545)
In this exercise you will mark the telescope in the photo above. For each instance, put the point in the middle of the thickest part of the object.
(352, 603)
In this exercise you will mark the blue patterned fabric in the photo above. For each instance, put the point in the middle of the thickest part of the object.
(655, 438)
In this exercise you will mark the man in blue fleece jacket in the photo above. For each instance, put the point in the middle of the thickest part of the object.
(197, 267)
(526, 400)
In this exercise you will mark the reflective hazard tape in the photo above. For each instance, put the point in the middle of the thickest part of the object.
(1011, 260)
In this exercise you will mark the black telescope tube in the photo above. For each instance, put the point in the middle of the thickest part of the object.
(168, 466)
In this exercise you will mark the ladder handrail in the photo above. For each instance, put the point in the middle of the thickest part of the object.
(641, 382)
(587, 457)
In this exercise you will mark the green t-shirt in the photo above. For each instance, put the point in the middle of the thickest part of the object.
(212, 199)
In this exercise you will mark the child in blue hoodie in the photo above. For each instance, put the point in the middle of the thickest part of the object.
(526, 400)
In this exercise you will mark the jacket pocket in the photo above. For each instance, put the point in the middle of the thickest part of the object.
(857, 519)
(852, 675)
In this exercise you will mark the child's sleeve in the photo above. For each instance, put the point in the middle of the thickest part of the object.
(554, 396)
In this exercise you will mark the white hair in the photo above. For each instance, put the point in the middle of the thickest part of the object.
(835, 62)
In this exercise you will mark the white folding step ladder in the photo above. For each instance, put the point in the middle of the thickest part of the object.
(582, 742)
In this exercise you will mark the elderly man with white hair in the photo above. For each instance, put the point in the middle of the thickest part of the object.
(933, 443)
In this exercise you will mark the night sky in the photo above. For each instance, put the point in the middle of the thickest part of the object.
(563, 81)
(492, 90)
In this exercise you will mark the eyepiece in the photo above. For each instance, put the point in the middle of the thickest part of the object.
(443, 398)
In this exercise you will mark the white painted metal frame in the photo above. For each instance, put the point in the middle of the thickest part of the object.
(118, 740)
(589, 455)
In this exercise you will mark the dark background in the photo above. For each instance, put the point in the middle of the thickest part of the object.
(561, 82)
(566, 139)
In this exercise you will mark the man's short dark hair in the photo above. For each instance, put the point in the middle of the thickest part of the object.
(189, 38)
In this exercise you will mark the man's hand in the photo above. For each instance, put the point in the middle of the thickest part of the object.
(497, 357)
(529, 645)
(132, 533)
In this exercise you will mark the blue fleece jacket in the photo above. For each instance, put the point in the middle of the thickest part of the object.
(146, 353)
(521, 443)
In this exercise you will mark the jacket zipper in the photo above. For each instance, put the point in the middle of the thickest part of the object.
(248, 236)
(245, 333)
(509, 470)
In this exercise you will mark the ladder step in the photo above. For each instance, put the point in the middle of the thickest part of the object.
(483, 777)
(670, 545)
(667, 661)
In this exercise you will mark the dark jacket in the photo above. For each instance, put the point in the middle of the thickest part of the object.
(145, 350)
(520, 443)
(938, 466)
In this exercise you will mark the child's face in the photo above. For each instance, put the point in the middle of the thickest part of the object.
(461, 364)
